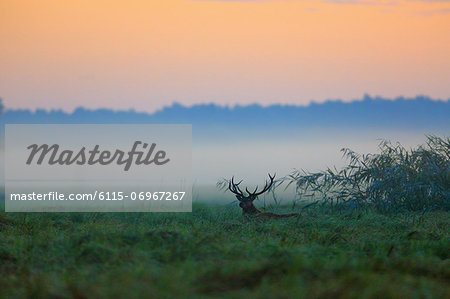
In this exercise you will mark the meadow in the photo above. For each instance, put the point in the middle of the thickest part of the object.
(215, 252)
(377, 228)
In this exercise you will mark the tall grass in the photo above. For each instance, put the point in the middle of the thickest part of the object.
(394, 179)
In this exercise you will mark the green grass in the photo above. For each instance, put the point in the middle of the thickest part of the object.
(215, 252)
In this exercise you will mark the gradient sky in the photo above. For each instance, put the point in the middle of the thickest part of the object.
(147, 54)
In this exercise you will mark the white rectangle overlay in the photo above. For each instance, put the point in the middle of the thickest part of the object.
(98, 168)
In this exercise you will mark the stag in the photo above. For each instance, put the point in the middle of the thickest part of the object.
(246, 202)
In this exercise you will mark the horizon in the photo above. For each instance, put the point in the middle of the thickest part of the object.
(365, 97)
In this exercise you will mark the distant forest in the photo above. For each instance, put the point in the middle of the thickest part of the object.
(419, 112)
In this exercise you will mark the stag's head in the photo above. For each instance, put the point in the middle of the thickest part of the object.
(246, 201)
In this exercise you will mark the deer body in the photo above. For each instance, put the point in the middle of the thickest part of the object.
(246, 202)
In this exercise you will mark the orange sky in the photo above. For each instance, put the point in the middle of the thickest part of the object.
(146, 54)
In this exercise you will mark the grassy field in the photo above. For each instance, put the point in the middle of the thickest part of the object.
(214, 252)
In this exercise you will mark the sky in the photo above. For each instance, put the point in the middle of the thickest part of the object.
(146, 54)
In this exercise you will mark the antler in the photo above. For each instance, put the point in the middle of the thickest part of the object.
(266, 187)
(235, 187)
